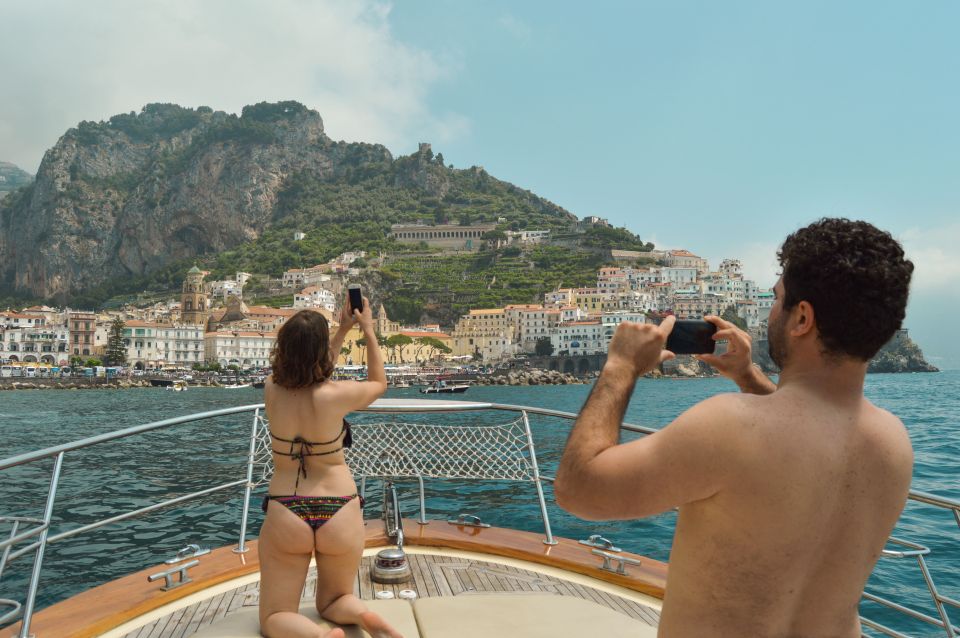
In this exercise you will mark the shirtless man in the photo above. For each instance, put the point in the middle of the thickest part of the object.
(786, 493)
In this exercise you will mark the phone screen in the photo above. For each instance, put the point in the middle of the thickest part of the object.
(692, 336)
(356, 299)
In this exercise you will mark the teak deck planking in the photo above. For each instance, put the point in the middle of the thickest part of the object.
(95, 611)
(432, 575)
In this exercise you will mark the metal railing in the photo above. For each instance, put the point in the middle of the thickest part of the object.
(40, 527)
(918, 552)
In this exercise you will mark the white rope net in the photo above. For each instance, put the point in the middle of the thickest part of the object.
(407, 450)
(262, 454)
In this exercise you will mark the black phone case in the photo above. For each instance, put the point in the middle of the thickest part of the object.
(692, 337)
(356, 299)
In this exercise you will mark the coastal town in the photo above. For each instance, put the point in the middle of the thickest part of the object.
(212, 326)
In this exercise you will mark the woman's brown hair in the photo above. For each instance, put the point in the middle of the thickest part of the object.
(301, 356)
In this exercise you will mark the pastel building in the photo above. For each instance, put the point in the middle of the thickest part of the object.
(152, 345)
(536, 324)
(245, 349)
(578, 338)
(485, 332)
(315, 297)
(83, 330)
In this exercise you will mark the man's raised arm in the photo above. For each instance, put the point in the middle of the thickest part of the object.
(634, 350)
(600, 479)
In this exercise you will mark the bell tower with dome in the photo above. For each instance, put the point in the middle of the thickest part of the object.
(193, 300)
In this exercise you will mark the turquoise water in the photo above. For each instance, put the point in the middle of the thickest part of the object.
(148, 468)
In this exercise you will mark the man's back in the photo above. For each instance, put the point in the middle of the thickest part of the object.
(786, 546)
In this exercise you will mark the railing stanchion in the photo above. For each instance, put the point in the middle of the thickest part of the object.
(242, 548)
(38, 559)
(947, 625)
(6, 550)
(423, 512)
(549, 540)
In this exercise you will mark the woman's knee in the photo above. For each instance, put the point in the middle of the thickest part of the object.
(326, 600)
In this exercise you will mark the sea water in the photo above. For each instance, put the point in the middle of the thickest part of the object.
(109, 479)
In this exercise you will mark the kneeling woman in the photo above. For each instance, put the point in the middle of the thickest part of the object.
(313, 509)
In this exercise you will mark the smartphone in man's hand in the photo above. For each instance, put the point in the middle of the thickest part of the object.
(356, 298)
(692, 336)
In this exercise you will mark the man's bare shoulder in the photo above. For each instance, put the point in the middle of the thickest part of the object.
(734, 408)
(720, 417)
(888, 431)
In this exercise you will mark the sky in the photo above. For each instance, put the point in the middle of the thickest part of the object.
(719, 127)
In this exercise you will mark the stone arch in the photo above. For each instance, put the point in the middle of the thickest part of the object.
(554, 365)
(47, 358)
(583, 366)
(13, 357)
(29, 359)
(568, 366)
(138, 365)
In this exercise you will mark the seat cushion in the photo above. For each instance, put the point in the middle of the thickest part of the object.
(529, 616)
(245, 623)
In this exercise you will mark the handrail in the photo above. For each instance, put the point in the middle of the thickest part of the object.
(384, 406)
(29, 457)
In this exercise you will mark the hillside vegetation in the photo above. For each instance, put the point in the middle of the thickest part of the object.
(122, 208)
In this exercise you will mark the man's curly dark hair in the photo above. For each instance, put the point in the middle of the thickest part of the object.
(856, 278)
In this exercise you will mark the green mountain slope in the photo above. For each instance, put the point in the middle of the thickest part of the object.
(126, 205)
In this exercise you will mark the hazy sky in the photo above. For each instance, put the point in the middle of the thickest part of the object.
(714, 126)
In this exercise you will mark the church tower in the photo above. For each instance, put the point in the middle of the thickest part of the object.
(384, 326)
(193, 301)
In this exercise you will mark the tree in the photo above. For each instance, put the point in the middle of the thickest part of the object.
(397, 343)
(729, 314)
(434, 345)
(494, 235)
(116, 354)
(76, 362)
(362, 344)
(544, 347)
(93, 363)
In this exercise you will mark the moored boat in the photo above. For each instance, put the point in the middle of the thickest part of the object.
(443, 388)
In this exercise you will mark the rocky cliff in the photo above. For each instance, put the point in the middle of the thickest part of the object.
(900, 354)
(12, 177)
(126, 196)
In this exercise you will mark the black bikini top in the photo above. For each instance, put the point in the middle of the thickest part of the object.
(306, 448)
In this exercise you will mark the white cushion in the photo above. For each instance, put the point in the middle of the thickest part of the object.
(529, 616)
(245, 622)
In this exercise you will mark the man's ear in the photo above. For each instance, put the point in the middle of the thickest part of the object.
(804, 320)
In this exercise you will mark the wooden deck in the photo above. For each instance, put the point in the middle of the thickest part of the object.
(123, 601)
(433, 575)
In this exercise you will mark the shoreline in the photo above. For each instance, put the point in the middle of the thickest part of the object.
(81, 383)
(532, 377)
